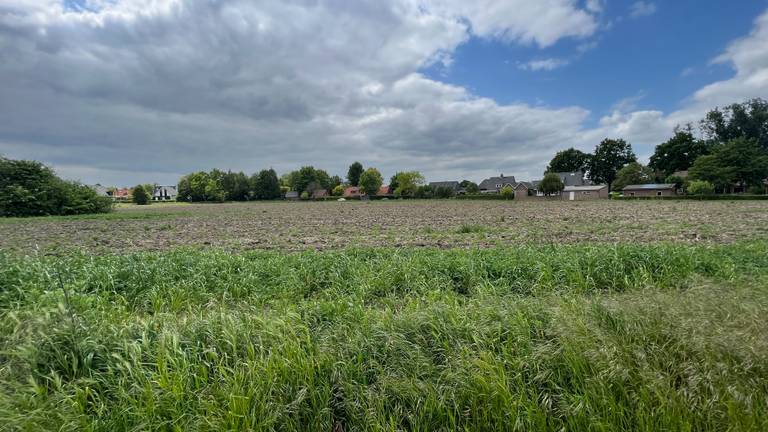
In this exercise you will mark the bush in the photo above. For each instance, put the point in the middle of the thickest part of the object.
(444, 192)
(338, 191)
(551, 184)
(304, 195)
(140, 195)
(507, 193)
(701, 187)
(29, 188)
(756, 190)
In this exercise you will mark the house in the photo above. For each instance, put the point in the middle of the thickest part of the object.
(292, 196)
(452, 185)
(682, 174)
(650, 190)
(495, 184)
(102, 190)
(352, 192)
(521, 191)
(319, 193)
(122, 194)
(581, 193)
(165, 193)
(575, 178)
(385, 190)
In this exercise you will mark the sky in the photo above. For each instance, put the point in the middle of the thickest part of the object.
(122, 92)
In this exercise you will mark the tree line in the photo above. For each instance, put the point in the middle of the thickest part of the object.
(732, 152)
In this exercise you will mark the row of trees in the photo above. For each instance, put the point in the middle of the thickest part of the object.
(732, 152)
(219, 186)
(29, 188)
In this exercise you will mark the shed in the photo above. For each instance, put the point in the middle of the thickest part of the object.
(650, 190)
(581, 193)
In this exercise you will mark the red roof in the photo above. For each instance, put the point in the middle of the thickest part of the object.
(384, 190)
(352, 191)
(122, 193)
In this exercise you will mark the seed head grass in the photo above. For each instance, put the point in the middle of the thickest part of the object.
(653, 337)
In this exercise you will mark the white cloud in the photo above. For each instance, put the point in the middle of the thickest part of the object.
(642, 9)
(145, 90)
(543, 64)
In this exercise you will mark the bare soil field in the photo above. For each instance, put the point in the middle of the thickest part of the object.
(334, 225)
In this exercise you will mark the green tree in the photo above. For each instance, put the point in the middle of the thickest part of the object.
(740, 161)
(444, 192)
(338, 190)
(678, 153)
(265, 185)
(370, 181)
(551, 184)
(700, 187)
(507, 192)
(470, 187)
(406, 184)
(633, 173)
(678, 181)
(424, 192)
(140, 195)
(236, 186)
(741, 120)
(354, 173)
(610, 156)
(29, 188)
(568, 161)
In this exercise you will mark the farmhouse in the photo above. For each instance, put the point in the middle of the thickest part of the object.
(352, 192)
(650, 190)
(122, 194)
(521, 191)
(495, 184)
(581, 193)
(385, 190)
(165, 193)
(575, 178)
(292, 196)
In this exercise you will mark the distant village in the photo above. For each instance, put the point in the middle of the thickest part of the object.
(575, 186)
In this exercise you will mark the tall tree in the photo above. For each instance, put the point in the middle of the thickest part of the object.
(265, 185)
(678, 153)
(354, 173)
(633, 173)
(469, 187)
(568, 161)
(370, 181)
(610, 156)
(748, 119)
(740, 160)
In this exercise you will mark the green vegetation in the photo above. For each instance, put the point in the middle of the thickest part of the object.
(633, 173)
(659, 337)
(29, 188)
(140, 195)
(507, 192)
(700, 187)
(551, 184)
(370, 181)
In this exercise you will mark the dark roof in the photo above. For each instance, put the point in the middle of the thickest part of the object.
(584, 188)
(575, 178)
(491, 183)
(445, 184)
(652, 186)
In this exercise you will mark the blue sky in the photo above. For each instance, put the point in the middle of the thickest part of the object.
(121, 92)
(653, 61)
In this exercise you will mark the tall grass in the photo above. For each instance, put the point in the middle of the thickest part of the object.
(535, 338)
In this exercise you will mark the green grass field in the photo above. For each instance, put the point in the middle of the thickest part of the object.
(597, 337)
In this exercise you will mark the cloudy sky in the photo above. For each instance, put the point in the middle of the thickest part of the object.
(126, 91)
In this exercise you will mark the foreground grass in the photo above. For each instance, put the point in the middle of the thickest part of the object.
(535, 338)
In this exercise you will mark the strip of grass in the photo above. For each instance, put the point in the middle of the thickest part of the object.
(655, 337)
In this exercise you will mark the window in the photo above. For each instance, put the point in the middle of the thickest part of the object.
(658, 193)
(631, 194)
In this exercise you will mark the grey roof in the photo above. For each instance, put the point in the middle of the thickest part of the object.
(491, 183)
(170, 191)
(592, 188)
(291, 194)
(575, 178)
(652, 186)
(447, 184)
